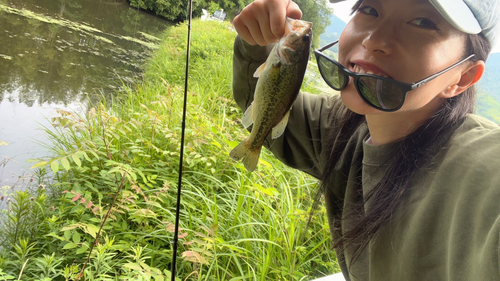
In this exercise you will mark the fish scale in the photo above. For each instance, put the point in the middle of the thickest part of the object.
(280, 78)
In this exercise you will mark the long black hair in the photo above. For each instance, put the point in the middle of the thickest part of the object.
(414, 152)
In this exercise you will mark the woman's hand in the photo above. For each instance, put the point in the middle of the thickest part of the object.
(263, 21)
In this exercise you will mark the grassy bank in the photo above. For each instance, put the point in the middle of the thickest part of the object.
(235, 225)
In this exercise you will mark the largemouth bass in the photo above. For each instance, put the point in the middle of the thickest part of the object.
(280, 78)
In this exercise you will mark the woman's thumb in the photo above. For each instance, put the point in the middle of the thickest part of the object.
(293, 11)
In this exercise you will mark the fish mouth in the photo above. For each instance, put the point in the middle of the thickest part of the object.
(297, 26)
(361, 69)
(293, 41)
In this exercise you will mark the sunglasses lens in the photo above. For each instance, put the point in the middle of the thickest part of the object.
(331, 73)
(380, 93)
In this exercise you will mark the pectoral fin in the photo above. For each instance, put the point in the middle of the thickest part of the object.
(259, 70)
(279, 129)
(248, 117)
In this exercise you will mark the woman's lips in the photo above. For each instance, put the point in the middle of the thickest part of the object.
(363, 69)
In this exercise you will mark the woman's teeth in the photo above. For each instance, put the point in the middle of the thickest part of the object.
(360, 70)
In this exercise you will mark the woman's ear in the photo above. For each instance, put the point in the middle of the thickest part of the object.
(469, 77)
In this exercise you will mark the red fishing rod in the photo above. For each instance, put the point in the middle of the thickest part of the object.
(181, 157)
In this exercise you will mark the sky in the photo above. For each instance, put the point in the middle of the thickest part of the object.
(343, 9)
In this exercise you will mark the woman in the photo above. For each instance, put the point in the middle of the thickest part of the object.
(409, 174)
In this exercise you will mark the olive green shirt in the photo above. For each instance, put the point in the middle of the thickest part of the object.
(451, 227)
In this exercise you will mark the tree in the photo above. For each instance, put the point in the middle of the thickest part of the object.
(172, 10)
(317, 12)
(231, 7)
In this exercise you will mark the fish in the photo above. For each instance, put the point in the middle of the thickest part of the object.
(278, 85)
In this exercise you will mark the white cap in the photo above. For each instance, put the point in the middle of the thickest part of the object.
(470, 16)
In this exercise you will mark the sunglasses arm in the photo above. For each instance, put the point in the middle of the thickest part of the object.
(427, 79)
(327, 46)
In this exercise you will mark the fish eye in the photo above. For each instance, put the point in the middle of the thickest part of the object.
(306, 38)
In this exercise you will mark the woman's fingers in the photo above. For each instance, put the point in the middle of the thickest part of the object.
(263, 21)
(244, 32)
(259, 30)
(293, 11)
(279, 15)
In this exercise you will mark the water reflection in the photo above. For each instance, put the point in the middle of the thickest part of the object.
(58, 54)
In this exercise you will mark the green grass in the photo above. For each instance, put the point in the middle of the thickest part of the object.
(235, 225)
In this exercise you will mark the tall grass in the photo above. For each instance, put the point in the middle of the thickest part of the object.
(235, 225)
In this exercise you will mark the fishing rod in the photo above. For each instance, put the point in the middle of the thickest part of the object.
(181, 157)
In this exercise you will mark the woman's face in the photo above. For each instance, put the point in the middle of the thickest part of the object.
(406, 40)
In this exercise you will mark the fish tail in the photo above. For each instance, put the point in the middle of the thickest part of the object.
(251, 159)
(239, 152)
(250, 156)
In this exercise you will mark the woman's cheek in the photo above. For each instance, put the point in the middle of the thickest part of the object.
(355, 103)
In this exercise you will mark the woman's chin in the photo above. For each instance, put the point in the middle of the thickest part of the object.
(356, 104)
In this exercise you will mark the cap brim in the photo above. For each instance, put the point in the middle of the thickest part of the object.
(458, 14)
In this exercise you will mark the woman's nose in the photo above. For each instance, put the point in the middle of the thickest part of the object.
(381, 38)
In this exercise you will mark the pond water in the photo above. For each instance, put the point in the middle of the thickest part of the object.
(59, 54)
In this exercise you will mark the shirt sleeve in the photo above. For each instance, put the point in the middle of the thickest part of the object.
(311, 116)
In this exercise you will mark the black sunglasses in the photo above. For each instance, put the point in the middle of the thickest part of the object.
(382, 93)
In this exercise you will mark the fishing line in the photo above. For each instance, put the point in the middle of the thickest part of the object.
(181, 157)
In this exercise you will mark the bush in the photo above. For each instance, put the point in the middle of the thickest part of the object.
(172, 10)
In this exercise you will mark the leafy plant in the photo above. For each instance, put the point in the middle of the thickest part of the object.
(109, 212)
(4, 276)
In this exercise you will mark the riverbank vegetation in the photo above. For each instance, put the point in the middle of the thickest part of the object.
(120, 163)
(316, 11)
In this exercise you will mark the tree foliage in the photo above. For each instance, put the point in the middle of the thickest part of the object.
(317, 12)
(173, 10)
(176, 10)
